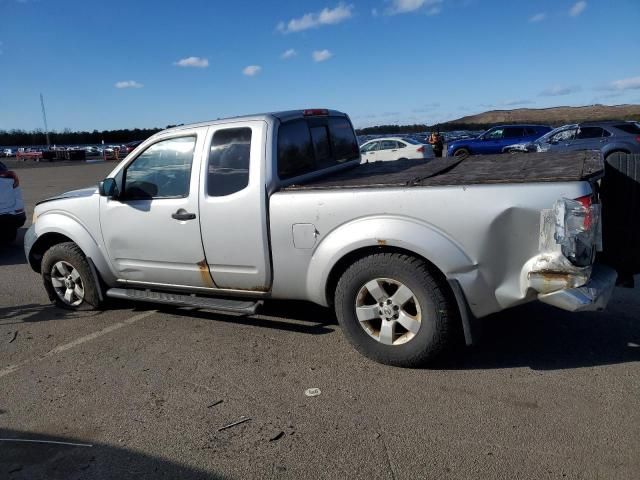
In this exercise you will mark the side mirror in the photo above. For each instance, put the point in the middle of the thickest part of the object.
(108, 188)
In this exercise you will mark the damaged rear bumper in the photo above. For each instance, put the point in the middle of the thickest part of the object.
(593, 296)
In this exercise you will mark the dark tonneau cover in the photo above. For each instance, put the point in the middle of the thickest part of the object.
(481, 169)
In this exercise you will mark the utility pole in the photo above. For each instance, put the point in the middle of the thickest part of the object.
(44, 117)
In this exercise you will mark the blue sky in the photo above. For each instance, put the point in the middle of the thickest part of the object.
(138, 63)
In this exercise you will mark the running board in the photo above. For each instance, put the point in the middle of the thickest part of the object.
(220, 304)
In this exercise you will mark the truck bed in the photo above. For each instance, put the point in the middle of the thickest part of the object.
(478, 169)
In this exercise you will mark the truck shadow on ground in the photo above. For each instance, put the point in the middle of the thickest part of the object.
(13, 254)
(22, 460)
(545, 338)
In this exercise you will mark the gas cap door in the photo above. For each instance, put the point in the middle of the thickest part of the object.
(304, 235)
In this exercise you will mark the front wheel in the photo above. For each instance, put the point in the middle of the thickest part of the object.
(394, 311)
(68, 278)
(461, 152)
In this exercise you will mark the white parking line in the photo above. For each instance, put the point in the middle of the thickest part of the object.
(78, 341)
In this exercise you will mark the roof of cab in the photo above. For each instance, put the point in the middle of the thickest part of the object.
(281, 116)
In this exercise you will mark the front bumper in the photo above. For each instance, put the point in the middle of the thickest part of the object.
(593, 296)
(30, 238)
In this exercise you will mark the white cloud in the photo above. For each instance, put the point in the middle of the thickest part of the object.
(327, 16)
(321, 55)
(128, 84)
(251, 70)
(195, 62)
(577, 8)
(632, 83)
(288, 54)
(407, 6)
(538, 17)
(558, 90)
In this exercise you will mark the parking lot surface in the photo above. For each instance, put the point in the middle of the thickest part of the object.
(141, 391)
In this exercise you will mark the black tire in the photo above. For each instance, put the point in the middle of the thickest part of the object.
(460, 152)
(8, 236)
(70, 253)
(436, 331)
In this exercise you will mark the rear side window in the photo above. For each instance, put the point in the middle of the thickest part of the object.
(229, 159)
(632, 128)
(589, 132)
(343, 140)
(314, 144)
(513, 132)
(321, 148)
(388, 145)
(295, 152)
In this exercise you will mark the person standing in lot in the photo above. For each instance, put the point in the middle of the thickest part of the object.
(435, 140)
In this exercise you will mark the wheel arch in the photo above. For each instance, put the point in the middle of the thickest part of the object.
(363, 237)
(52, 229)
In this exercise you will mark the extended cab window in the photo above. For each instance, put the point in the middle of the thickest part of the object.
(312, 144)
(229, 158)
(163, 170)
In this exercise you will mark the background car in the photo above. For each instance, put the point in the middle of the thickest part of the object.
(395, 148)
(496, 139)
(12, 215)
(131, 146)
(608, 137)
(7, 152)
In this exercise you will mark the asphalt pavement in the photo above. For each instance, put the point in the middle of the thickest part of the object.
(141, 391)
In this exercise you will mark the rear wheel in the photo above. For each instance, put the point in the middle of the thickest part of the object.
(461, 152)
(68, 278)
(394, 311)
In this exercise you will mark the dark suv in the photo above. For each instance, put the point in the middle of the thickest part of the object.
(496, 139)
(608, 137)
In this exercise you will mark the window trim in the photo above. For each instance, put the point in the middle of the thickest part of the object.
(125, 169)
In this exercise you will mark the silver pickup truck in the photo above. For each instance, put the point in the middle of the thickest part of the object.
(226, 214)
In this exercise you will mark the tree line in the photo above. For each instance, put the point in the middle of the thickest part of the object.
(67, 137)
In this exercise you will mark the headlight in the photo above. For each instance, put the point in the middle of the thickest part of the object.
(34, 218)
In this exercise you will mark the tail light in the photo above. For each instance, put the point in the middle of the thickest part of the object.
(578, 229)
(420, 149)
(638, 139)
(586, 202)
(10, 174)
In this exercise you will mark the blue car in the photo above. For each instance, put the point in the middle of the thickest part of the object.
(496, 139)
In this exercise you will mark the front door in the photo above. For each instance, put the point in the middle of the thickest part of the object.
(151, 232)
(233, 206)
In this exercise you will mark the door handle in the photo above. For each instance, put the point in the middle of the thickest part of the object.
(182, 214)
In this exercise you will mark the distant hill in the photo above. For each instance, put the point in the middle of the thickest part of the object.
(550, 116)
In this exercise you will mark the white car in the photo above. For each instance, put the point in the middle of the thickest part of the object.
(12, 215)
(7, 152)
(394, 148)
